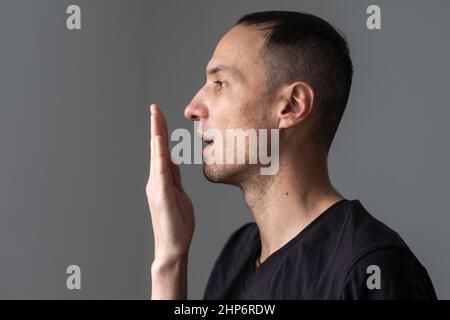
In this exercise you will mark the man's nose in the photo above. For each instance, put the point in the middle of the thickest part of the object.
(196, 110)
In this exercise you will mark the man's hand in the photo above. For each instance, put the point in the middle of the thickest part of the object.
(172, 216)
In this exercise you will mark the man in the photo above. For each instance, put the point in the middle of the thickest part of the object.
(288, 71)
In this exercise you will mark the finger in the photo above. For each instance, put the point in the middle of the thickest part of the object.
(151, 135)
(163, 174)
(153, 129)
(152, 157)
(162, 123)
(159, 123)
(176, 175)
(152, 144)
(159, 128)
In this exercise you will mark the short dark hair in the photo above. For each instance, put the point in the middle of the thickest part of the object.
(301, 46)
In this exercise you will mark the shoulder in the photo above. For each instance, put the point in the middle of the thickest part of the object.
(367, 226)
(368, 247)
(357, 233)
(388, 273)
(360, 232)
(346, 232)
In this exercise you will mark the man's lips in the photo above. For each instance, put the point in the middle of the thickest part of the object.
(206, 143)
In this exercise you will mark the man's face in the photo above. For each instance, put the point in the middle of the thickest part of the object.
(232, 98)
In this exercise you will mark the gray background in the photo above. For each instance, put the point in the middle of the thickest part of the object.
(74, 129)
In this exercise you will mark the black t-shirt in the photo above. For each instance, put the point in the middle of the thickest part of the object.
(345, 253)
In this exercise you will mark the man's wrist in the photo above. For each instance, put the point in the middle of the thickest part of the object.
(169, 278)
(169, 264)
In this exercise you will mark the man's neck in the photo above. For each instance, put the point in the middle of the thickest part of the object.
(285, 203)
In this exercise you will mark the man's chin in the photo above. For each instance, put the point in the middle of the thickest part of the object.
(223, 173)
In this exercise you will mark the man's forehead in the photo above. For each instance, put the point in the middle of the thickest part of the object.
(238, 48)
(217, 67)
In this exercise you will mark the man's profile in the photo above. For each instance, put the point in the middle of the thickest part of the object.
(292, 72)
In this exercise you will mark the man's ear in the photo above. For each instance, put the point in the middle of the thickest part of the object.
(296, 104)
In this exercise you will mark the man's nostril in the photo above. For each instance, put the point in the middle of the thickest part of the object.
(188, 114)
(195, 111)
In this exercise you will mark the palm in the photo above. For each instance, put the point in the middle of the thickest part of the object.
(171, 209)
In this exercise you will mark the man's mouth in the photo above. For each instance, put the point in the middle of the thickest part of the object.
(206, 142)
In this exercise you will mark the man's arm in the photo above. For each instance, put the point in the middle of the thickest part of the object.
(172, 216)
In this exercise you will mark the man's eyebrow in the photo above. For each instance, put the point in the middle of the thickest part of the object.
(224, 68)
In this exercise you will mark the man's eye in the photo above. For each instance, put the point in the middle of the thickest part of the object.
(220, 84)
